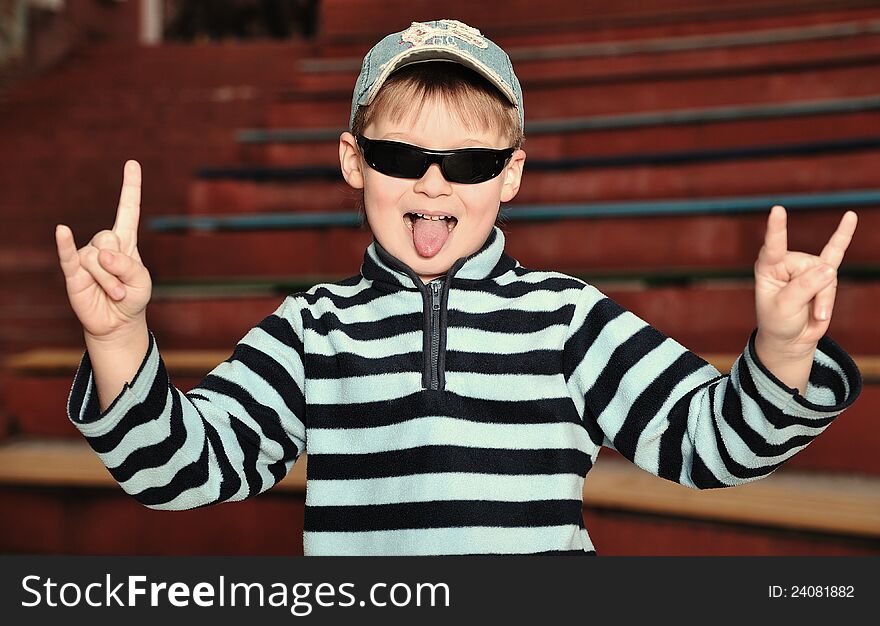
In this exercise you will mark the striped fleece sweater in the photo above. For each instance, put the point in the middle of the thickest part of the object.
(456, 417)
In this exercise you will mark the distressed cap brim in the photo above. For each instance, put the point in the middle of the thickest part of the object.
(423, 54)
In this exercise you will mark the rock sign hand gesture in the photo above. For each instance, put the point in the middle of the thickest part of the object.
(795, 291)
(107, 283)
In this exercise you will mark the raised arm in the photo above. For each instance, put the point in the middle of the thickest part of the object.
(233, 436)
(673, 414)
(109, 288)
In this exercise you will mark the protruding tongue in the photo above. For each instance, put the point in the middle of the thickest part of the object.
(429, 235)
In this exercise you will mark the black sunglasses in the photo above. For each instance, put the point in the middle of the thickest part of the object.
(401, 160)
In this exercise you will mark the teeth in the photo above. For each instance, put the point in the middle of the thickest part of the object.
(451, 221)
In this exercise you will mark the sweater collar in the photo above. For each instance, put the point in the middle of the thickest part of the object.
(484, 264)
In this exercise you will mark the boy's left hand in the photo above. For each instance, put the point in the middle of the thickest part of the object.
(794, 291)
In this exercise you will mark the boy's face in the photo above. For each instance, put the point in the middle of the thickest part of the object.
(387, 199)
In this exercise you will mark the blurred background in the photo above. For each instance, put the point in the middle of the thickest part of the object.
(659, 134)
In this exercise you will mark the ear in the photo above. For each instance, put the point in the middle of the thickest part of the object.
(350, 161)
(512, 175)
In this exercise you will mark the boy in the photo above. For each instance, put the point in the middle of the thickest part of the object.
(451, 400)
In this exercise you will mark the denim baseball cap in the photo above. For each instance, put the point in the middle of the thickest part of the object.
(440, 40)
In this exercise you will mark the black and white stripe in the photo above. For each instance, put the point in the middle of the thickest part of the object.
(539, 370)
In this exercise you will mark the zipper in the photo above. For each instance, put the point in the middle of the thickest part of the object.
(436, 287)
(432, 295)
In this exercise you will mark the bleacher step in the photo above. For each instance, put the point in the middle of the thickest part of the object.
(601, 237)
(820, 167)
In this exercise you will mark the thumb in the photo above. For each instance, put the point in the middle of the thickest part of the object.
(122, 266)
(801, 290)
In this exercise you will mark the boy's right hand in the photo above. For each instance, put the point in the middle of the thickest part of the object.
(107, 283)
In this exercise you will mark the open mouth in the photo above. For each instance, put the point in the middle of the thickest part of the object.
(409, 218)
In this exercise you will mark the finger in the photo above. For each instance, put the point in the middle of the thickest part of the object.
(126, 269)
(67, 253)
(834, 250)
(796, 263)
(111, 285)
(128, 211)
(106, 240)
(801, 290)
(824, 302)
(775, 238)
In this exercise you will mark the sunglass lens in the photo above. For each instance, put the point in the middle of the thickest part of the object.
(398, 161)
(470, 167)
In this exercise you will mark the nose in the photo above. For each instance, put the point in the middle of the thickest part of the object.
(432, 183)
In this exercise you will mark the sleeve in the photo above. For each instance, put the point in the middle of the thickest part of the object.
(234, 435)
(676, 416)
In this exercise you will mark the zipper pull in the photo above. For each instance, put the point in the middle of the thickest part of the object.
(435, 289)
